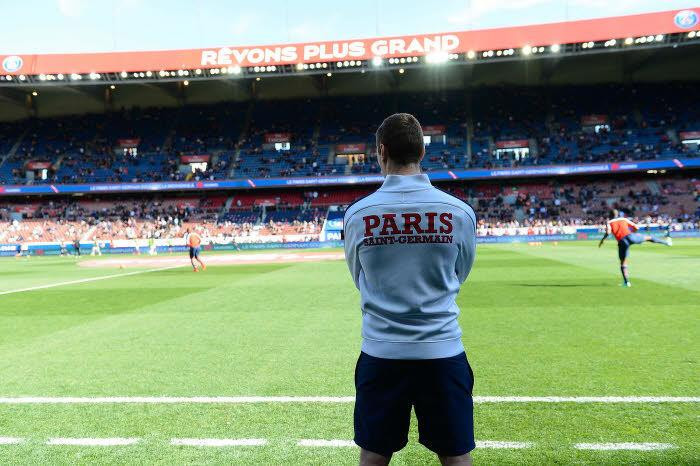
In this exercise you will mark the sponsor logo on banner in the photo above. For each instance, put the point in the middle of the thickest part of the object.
(128, 142)
(686, 135)
(512, 144)
(434, 130)
(12, 63)
(592, 120)
(196, 158)
(351, 148)
(272, 138)
(37, 165)
(686, 19)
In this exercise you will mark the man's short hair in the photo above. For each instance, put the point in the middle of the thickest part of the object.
(614, 213)
(402, 137)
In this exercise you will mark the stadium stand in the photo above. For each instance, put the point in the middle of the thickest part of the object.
(500, 127)
(530, 207)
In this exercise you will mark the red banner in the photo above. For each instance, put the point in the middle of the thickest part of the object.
(26, 208)
(434, 130)
(271, 138)
(198, 158)
(399, 46)
(685, 135)
(36, 165)
(360, 148)
(128, 142)
(593, 120)
(513, 144)
(265, 201)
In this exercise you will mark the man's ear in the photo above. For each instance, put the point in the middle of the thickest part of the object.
(381, 153)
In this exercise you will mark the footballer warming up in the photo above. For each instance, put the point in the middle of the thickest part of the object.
(194, 241)
(625, 232)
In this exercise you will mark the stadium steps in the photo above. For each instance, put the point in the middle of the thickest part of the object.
(654, 187)
(242, 138)
(15, 147)
(470, 136)
(226, 207)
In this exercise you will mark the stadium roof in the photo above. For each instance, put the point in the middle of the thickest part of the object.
(656, 29)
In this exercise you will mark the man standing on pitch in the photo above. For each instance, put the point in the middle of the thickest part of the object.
(409, 246)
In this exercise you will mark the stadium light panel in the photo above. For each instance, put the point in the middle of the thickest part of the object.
(629, 41)
(185, 83)
(60, 76)
(257, 79)
(555, 48)
(113, 87)
(197, 71)
(35, 93)
(124, 74)
(401, 70)
(377, 61)
(691, 34)
(329, 74)
(659, 37)
(42, 77)
(236, 69)
(149, 73)
(74, 77)
(437, 57)
(527, 50)
(471, 54)
(300, 66)
(8, 77)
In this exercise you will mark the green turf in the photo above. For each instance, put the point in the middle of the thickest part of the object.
(537, 320)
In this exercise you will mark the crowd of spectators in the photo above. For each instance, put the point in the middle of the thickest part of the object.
(639, 122)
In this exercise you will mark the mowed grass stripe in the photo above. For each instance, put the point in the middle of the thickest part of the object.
(87, 280)
(328, 399)
(93, 442)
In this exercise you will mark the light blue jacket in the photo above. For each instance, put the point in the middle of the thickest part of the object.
(409, 247)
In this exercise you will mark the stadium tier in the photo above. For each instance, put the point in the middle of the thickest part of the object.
(534, 207)
(490, 127)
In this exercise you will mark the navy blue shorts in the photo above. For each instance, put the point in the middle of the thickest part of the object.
(194, 252)
(623, 246)
(440, 391)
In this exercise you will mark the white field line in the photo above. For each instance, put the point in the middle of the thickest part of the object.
(327, 399)
(624, 446)
(93, 442)
(325, 443)
(497, 444)
(86, 280)
(218, 442)
(10, 440)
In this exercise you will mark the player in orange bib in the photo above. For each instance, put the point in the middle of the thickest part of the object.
(194, 241)
(625, 232)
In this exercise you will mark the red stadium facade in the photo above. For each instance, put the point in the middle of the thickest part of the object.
(649, 24)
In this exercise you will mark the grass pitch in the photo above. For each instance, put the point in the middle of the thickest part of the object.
(537, 321)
